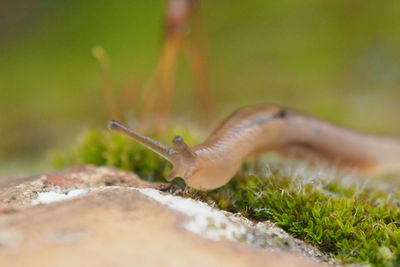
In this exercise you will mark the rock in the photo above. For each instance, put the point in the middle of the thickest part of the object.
(96, 225)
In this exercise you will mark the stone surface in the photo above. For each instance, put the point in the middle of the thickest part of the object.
(110, 226)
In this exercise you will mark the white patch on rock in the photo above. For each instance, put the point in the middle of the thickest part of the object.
(54, 196)
(206, 221)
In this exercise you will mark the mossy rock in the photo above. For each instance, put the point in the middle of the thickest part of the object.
(352, 223)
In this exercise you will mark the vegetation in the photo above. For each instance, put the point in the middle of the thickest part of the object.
(356, 225)
(352, 223)
(114, 149)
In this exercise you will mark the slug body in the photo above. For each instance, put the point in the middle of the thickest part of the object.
(254, 130)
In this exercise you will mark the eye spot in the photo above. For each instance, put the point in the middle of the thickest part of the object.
(282, 114)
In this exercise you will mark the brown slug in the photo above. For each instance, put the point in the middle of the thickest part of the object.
(253, 130)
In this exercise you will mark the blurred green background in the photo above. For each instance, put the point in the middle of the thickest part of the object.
(338, 60)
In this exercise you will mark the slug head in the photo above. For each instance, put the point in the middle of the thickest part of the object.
(184, 160)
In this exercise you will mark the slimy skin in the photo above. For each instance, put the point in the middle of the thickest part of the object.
(254, 130)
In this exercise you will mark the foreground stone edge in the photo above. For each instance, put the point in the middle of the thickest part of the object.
(95, 220)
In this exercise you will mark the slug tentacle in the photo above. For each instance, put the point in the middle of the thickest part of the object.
(182, 147)
(162, 150)
(183, 158)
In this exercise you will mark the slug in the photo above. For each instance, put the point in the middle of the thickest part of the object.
(253, 130)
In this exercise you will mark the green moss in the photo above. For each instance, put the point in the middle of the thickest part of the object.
(114, 149)
(353, 224)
